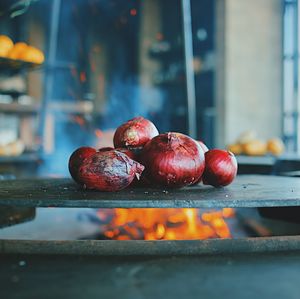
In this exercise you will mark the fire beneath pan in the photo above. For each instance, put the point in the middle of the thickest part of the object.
(164, 224)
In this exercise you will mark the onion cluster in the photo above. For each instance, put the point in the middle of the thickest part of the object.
(169, 160)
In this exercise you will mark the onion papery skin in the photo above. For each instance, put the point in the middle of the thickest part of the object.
(172, 160)
(131, 154)
(135, 133)
(220, 168)
(76, 159)
(109, 171)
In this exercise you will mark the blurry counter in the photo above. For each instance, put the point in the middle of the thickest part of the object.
(25, 165)
(287, 164)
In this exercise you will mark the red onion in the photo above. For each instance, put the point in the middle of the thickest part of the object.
(135, 133)
(109, 171)
(134, 154)
(220, 168)
(173, 160)
(77, 158)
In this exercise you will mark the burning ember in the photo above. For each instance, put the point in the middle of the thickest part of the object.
(164, 224)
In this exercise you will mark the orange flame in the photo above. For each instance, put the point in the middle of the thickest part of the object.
(166, 224)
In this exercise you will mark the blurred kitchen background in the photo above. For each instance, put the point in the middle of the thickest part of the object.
(223, 71)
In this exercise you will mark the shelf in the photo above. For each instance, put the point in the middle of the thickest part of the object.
(12, 93)
(16, 108)
(24, 158)
(256, 160)
(83, 107)
(13, 66)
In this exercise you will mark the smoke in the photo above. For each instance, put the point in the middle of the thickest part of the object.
(125, 99)
(102, 23)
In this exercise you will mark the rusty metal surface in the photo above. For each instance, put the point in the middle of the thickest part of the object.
(245, 191)
(151, 248)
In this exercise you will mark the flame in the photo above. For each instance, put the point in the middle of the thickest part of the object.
(165, 224)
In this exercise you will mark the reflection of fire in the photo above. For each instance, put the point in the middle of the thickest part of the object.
(98, 133)
(82, 77)
(79, 120)
(165, 224)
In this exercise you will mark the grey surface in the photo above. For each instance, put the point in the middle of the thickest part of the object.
(151, 248)
(256, 160)
(221, 276)
(55, 224)
(245, 191)
(11, 215)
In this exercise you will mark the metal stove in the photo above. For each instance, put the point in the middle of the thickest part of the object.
(239, 268)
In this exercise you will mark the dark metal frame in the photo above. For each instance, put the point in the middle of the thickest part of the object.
(151, 248)
(51, 62)
(189, 72)
(291, 135)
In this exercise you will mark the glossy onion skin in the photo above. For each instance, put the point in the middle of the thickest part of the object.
(220, 168)
(109, 171)
(134, 133)
(173, 160)
(77, 158)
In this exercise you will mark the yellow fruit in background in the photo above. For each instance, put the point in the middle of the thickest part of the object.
(275, 146)
(255, 148)
(32, 54)
(14, 148)
(17, 51)
(246, 136)
(6, 44)
(235, 148)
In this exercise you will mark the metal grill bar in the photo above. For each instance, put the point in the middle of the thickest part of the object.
(246, 191)
(151, 248)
